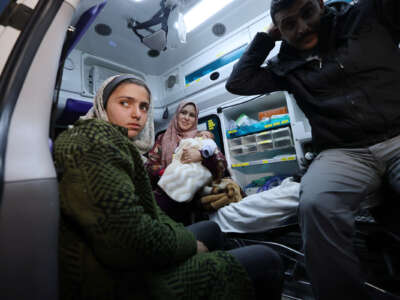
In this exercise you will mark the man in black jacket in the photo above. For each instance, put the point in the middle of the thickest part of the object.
(344, 70)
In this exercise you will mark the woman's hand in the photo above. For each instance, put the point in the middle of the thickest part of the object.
(190, 155)
(201, 248)
(273, 32)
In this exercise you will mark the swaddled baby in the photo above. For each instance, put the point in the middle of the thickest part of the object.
(181, 181)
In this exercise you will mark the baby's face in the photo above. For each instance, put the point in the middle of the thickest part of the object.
(205, 135)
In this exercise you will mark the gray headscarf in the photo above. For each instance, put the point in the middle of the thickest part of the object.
(144, 141)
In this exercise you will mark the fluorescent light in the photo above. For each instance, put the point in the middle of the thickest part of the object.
(202, 11)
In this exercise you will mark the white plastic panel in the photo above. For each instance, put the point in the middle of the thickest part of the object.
(72, 80)
(8, 37)
(95, 70)
(73, 3)
(261, 26)
(153, 82)
(300, 124)
(29, 3)
(71, 85)
(301, 127)
(172, 91)
(210, 55)
(28, 155)
(84, 73)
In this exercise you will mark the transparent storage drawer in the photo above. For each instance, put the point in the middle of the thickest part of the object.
(283, 142)
(238, 150)
(235, 142)
(249, 139)
(281, 132)
(265, 145)
(249, 148)
(264, 136)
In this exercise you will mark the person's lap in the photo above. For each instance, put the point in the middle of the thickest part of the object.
(332, 191)
(209, 233)
(262, 264)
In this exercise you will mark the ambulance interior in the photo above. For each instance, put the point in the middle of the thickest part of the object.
(185, 50)
(188, 54)
(194, 68)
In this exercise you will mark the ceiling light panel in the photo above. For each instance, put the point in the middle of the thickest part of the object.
(203, 11)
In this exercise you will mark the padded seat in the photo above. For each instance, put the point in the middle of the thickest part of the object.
(72, 111)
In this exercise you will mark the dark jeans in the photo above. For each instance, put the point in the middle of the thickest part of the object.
(263, 265)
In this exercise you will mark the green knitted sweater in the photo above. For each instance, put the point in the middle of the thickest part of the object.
(115, 243)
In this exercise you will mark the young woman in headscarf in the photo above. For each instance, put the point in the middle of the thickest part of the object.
(183, 125)
(114, 241)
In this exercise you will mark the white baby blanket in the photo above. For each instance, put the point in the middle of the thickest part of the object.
(181, 181)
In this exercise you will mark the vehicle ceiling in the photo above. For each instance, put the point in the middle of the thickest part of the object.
(124, 47)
